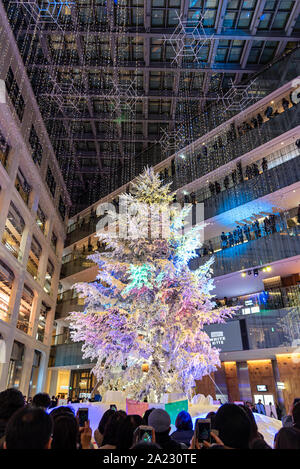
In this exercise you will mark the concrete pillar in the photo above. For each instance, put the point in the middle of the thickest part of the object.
(53, 382)
(42, 377)
(26, 370)
(35, 314)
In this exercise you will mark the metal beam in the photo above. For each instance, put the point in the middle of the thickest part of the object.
(158, 33)
(155, 67)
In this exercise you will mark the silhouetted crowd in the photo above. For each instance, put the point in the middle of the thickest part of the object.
(37, 426)
(237, 176)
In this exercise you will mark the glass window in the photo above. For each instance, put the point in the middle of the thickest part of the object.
(209, 19)
(229, 19)
(22, 186)
(245, 19)
(40, 334)
(23, 322)
(50, 181)
(14, 94)
(4, 150)
(157, 18)
(15, 365)
(48, 277)
(173, 17)
(6, 283)
(280, 20)
(34, 257)
(37, 150)
(61, 207)
(233, 4)
(41, 219)
(249, 4)
(13, 230)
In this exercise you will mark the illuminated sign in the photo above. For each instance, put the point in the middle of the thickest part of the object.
(226, 337)
(261, 388)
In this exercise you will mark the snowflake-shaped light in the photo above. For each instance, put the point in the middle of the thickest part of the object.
(123, 95)
(239, 97)
(187, 39)
(47, 11)
(172, 140)
(66, 96)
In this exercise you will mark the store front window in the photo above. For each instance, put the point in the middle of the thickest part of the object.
(15, 365)
(82, 384)
(6, 282)
(23, 322)
(13, 230)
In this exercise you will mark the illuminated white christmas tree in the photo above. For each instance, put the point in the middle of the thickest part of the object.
(146, 307)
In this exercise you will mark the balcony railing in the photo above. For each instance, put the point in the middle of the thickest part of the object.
(266, 329)
(67, 354)
(196, 167)
(265, 183)
(76, 265)
(255, 253)
(65, 307)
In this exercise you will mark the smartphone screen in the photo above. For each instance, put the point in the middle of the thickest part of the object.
(83, 416)
(143, 433)
(203, 427)
(146, 436)
(113, 407)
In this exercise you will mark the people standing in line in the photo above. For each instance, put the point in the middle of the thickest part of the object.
(226, 182)
(255, 170)
(240, 234)
(248, 172)
(230, 239)
(234, 177)
(217, 187)
(236, 236)
(210, 247)
(223, 240)
(264, 164)
(266, 226)
(247, 232)
(212, 189)
(256, 229)
(272, 219)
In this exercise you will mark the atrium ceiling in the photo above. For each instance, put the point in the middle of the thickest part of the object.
(118, 81)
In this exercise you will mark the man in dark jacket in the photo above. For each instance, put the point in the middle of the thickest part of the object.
(160, 420)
